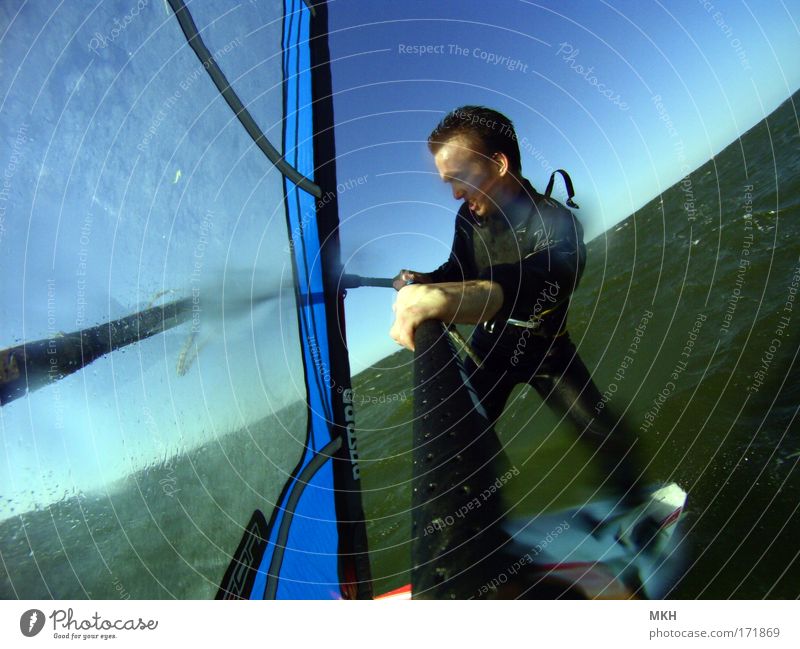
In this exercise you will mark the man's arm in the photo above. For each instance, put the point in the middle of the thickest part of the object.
(468, 302)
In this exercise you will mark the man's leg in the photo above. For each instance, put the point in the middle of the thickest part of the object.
(564, 382)
(492, 389)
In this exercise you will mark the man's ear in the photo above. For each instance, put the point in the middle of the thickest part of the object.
(502, 163)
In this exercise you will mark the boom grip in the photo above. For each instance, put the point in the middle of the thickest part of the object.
(457, 541)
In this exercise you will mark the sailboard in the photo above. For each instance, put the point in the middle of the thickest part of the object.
(602, 550)
(466, 544)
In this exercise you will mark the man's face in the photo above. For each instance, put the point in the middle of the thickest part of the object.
(472, 177)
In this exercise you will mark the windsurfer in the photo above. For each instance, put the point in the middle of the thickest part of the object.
(517, 256)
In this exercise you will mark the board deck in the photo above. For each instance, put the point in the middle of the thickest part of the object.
(593, 549)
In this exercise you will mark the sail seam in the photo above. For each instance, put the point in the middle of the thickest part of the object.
(302, 480)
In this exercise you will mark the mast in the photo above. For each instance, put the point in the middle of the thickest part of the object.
(354, 558)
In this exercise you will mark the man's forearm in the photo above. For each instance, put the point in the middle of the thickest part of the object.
(470, 302)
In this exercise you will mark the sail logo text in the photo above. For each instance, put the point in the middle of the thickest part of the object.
(350, 427)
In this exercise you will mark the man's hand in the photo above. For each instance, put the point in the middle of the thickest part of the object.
(415, 304)
(404, 276)
(470, 302)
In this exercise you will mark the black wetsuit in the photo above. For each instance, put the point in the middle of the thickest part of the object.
(535, 251)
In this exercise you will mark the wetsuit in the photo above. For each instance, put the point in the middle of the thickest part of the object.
(535, 251)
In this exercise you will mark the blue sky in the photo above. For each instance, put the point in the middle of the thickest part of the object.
(627, 96)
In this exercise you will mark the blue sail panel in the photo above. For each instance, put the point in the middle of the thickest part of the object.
(173, 154)
(301, 560)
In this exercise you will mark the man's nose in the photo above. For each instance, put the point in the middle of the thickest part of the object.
(458, 193)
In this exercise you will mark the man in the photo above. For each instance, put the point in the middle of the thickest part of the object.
(517, 257)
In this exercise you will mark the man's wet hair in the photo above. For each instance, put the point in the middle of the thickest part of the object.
(488, 131)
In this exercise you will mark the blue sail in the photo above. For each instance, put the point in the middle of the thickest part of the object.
(301, 560)
(174, 156)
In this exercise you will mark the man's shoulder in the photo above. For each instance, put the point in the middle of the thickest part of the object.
(550, 204)
(551, 214)
(555, 218)
(541, 202)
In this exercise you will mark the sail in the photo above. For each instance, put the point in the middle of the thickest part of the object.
(163, 154)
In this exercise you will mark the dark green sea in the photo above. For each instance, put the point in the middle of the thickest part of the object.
(716, 260)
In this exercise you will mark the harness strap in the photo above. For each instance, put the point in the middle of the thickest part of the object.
(567, 184)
